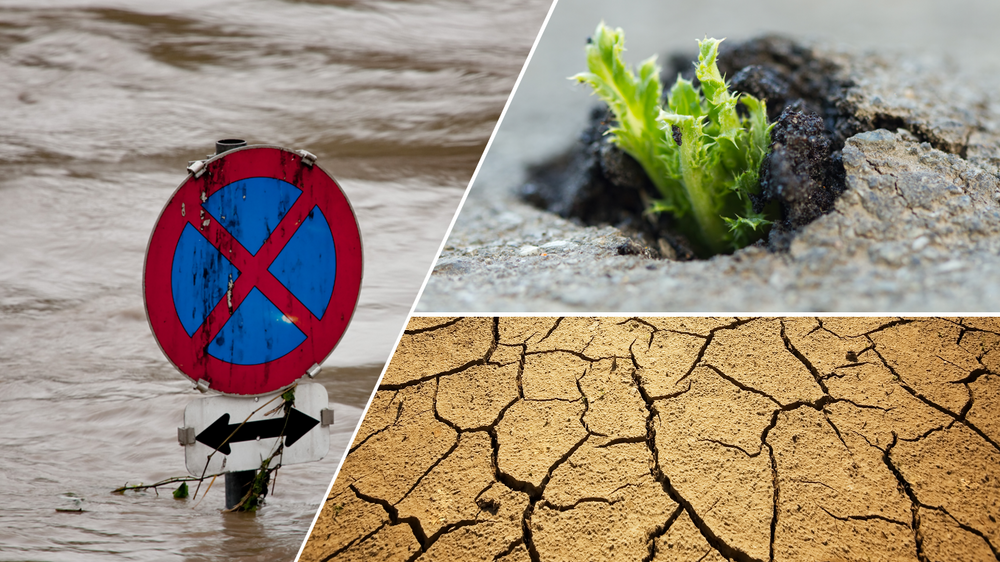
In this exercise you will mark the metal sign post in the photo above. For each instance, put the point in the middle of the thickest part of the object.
(252, 275)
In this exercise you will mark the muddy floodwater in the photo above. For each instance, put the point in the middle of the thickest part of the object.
(102, 104)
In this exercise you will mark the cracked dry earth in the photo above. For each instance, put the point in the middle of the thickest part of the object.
(518, 439)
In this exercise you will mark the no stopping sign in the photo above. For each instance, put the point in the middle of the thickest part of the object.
(253, 270)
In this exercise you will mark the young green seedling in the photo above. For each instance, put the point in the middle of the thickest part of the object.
(700, 153)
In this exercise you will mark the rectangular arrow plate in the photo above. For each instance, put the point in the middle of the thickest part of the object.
(310, 399)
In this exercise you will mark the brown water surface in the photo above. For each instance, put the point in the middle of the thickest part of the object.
(102, 104)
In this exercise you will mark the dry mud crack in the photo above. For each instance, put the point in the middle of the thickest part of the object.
(529, 439)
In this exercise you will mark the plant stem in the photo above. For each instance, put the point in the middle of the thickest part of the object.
(711, 227)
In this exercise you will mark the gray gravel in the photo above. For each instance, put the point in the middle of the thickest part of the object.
(918, 228)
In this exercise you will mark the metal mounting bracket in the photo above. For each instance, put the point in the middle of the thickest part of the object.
(196, 167)
(308, 158)
(185, 435)
(325, 417)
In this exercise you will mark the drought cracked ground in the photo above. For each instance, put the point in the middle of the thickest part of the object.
(518, 439)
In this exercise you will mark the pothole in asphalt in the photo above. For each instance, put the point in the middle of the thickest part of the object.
(807, 98)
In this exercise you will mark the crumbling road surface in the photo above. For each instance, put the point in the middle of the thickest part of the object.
(520, 439)
(916, 229)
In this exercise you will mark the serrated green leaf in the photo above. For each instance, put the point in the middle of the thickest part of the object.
(684, 99)
(661, 206)
(743, 229)
(752, 222)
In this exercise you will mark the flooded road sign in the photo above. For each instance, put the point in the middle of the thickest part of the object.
(253, 270)
(216, 423)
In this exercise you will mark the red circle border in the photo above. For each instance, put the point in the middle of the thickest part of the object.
(322, 335)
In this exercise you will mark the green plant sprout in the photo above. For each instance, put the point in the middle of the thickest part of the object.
(700, 153)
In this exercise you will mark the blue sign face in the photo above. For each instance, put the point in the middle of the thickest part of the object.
(259, 330)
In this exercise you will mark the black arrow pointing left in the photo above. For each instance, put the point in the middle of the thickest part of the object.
(297, 425)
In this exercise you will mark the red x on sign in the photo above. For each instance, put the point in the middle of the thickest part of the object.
(253, 270)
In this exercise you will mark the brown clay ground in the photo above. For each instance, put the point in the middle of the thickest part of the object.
(578, 439)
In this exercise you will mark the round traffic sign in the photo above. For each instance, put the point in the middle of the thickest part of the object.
(253, 270)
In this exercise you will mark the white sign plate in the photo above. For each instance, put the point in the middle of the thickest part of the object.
(216, 418)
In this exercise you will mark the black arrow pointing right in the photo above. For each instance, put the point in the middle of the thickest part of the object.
(215, 435)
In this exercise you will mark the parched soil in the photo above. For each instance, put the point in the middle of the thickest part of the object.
(681, 439)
